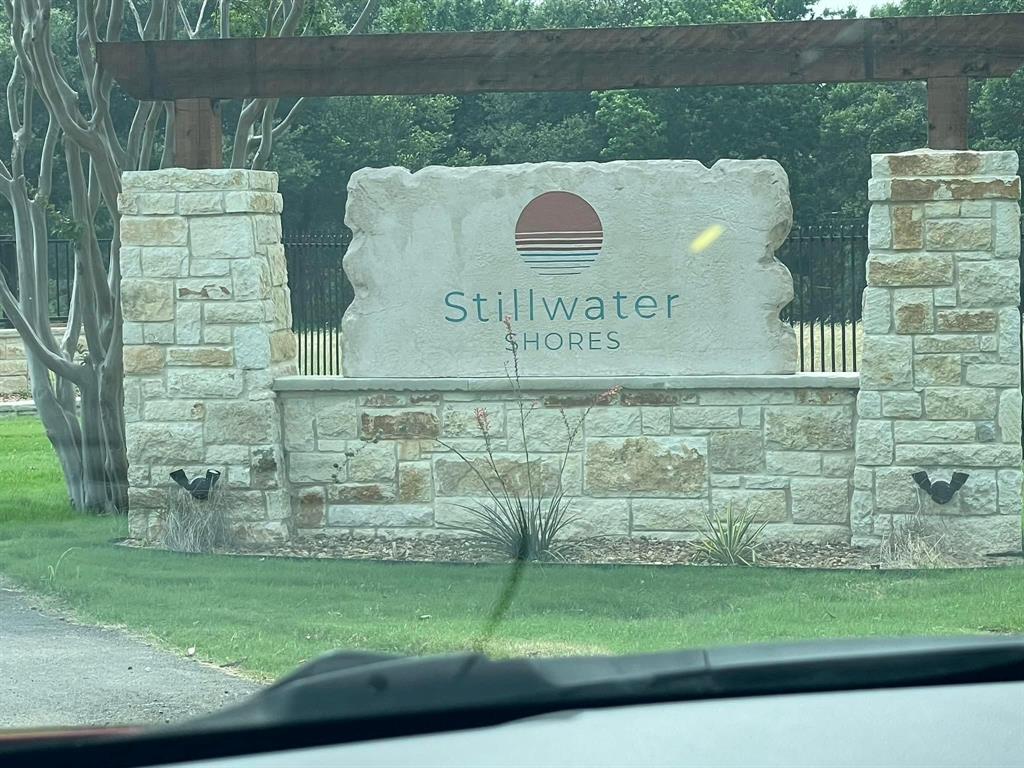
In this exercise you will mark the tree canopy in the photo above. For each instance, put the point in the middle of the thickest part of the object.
(822, 135)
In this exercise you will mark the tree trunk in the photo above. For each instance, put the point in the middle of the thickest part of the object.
(87, 436)
(60, 421)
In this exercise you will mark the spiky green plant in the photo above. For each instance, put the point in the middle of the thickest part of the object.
(732, 539)
(520, 528)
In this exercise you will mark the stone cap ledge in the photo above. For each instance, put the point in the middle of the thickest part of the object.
(933, 163)
(206, 180)
(558, 383)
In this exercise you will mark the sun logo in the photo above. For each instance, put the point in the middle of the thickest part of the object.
(559, 233)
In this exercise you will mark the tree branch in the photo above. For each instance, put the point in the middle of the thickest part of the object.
(365, 17)
(34, 49)
(93, 272)
(46, 160)
(167, 158)
(18, 137)
(115, 21)
(281, 128)
(148, 138)
(139, 25)
(73, 330)
(272, 11)
(135, 134)
(254, 141)
(243, 130)
(189, 30)
(55, 363)
(259, 162)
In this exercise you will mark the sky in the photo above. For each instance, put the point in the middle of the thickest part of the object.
(863, 6)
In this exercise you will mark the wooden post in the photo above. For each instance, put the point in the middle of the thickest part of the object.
(197, 134)
(947, 112)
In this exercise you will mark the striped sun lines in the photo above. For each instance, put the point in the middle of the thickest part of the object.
(559, 233)
(560, 252)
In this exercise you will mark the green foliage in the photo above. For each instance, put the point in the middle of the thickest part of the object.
(731, 540)
(861, 119)
(529, 128)
(947, 7)
(633, 128)
(517, 527)
(267, 615)
(339, 136)
(518, 523)
(53, 571)
(821, 134)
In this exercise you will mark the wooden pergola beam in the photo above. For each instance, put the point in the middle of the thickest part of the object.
(847, 50)
(941, 50)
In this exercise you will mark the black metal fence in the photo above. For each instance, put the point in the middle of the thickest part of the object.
(61, 266)
(321, 293)
(828, 266)
(827, 263)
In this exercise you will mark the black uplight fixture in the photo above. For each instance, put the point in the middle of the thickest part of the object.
(200, 487)
(940, 491)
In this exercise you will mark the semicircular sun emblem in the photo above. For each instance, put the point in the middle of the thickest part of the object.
(559, 233)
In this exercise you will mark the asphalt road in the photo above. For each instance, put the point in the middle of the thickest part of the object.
(55, 672)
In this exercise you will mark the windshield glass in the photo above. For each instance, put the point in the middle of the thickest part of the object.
(414, 328)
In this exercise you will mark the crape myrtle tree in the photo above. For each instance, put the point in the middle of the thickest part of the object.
(72, 135)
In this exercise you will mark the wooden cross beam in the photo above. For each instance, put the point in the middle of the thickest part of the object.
(942, 50)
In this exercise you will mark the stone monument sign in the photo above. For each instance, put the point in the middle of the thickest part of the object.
(659, 267)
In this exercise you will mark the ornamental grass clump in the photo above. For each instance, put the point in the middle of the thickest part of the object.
(910, 544)
(523, 524)
(196, 525)
(730, 540)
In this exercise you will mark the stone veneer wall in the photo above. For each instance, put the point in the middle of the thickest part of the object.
(210, 363)
(206, 331)
(940, 365)
(13, 366)
(364, 455)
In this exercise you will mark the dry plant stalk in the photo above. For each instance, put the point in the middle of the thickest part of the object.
(909, 544)
(522, 525)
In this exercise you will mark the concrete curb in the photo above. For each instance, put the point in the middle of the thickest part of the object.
(17, 408)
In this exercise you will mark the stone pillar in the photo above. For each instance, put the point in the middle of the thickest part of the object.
(940, 371)
(206, 330)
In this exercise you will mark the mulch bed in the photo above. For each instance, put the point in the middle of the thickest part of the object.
(597, 551)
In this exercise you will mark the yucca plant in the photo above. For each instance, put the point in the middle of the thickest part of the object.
(521, 524)
(522, 529)
(730, 540)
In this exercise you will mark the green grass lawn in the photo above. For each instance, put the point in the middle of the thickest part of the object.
(266, 616)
